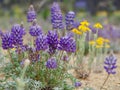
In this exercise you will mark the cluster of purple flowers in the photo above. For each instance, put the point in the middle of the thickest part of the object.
(51, 63)
(67, 44)
(41, 42)
(110, 64)
(50, 42)
(31, 14)
(52, 38)
(56, 16)
(17, 33)
(70, 20)
(35, 29)
(13, 38)
(7, 41)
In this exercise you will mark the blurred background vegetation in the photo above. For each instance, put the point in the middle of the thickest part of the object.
(83, 8)
(105, 11)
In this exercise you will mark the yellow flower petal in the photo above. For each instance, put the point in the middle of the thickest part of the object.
(83, 28)
(76, 31)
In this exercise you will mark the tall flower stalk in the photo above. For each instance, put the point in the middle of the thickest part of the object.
(20, 81)
(80, 32)
(110, 66)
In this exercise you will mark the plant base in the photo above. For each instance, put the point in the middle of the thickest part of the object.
(47, 88)
(82, 74)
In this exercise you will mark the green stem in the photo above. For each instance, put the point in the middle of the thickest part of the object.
(10, 56)
(23, 72)
(92, 51)
(105, 81)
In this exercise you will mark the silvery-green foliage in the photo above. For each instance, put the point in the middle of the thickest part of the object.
(33, 84)
(9, 85)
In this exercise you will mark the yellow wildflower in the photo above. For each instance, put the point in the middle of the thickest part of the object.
(98, 25)
(85, 23)
(76, 31)
(92, 42)
(100, 41)
(83, 28)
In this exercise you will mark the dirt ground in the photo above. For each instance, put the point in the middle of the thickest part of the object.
(95, 80)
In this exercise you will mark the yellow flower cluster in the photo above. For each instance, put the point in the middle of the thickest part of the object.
(82, 28)
(76, 31)
(100, 42)
(98, 26)
(85, 23)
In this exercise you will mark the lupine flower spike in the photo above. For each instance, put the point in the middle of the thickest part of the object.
(35, 29)
(52, 38)
(56, 17)
(67, 44)
(41, 42)
(31, 14)
(17, 33)
(70, 20)
(110, 66)
(7, 41)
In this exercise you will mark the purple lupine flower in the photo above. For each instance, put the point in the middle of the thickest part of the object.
(35, 29)
(7, 41)
(67, 44)
(17, 33)
(110, 64)
(56, 17)
(70, 20)
(77, 84)
(52, 38)
(51, 63)
(31, 14)
(41, 42)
